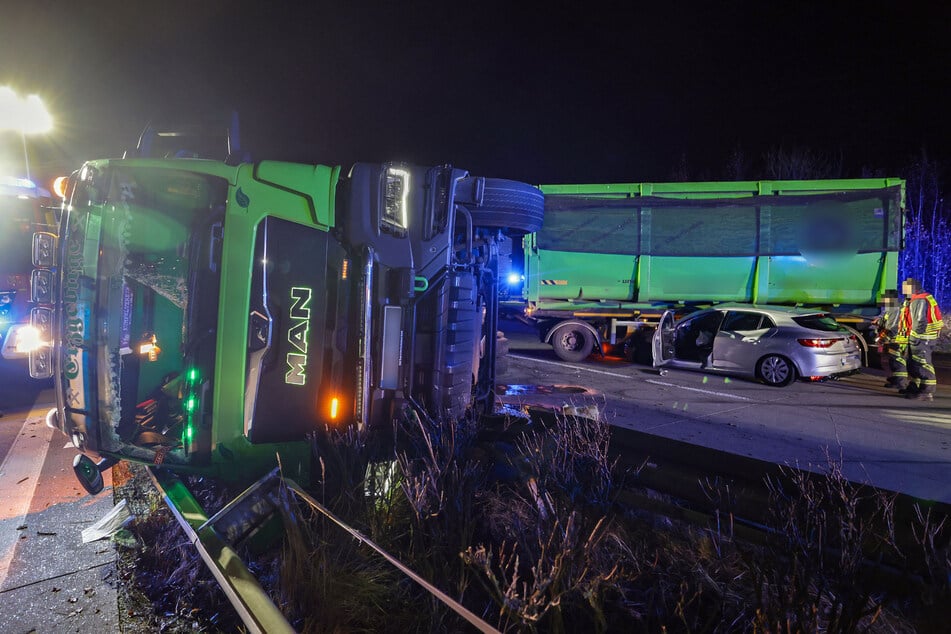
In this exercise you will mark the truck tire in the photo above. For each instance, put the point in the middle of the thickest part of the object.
(509, 205)
(776, 370)
(572, 343)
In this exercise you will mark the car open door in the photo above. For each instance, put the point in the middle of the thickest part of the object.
(662, 343)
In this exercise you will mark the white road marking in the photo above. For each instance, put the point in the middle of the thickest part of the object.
(920, 416)
(697, 389)
(19, 474)
(627, 376)
(574, 367)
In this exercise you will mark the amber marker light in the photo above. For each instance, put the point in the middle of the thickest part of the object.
(59, 186)
(334, 405)
(150, 348)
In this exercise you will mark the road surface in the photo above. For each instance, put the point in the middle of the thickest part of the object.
(880, 437)
(49, 580)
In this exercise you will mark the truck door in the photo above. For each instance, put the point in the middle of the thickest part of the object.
(662, 343)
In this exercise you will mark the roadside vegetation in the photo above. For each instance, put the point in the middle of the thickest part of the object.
(520, 523)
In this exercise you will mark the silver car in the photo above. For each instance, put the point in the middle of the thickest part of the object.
(775, 344)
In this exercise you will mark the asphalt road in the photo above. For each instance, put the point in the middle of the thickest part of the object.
(879, 437)
(49, 580)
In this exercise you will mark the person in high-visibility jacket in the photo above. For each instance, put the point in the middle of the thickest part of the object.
(892, 336)
(922, 318)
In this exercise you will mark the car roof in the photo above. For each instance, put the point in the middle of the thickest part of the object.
(774, 310)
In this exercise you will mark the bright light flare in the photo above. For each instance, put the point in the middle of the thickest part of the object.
(29, 340)
(334, 406)
(27, 116)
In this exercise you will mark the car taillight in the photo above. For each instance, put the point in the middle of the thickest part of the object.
(817, 343)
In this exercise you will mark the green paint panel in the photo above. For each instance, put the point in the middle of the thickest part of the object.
(690, 279)
(825, 279)
(571, 276)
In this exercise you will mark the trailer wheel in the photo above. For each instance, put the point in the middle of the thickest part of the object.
(776, 370)
(572, 343)
(509, 205)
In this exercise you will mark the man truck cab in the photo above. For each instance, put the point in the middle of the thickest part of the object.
(205, 316)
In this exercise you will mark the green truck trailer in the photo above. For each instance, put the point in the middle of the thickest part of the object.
(611, 258)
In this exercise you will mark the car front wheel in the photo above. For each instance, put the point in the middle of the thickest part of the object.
(776, 370)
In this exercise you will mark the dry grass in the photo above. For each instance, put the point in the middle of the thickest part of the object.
(519, 523)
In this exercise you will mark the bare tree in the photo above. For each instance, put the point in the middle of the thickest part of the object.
(801, 164)
(927, 250)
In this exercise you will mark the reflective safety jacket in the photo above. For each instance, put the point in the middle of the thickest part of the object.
(891, 327)
(922, 317)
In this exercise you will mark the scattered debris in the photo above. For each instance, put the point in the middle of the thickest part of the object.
(115, 519)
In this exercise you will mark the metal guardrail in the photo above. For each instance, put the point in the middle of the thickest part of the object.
(213, 536)
(255, 608)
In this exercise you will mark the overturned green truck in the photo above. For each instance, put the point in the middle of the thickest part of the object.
(611, 258)
(205, 316)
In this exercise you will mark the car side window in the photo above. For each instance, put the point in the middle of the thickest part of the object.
(740, 320)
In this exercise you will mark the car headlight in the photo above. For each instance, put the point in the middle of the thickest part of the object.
(395, 200)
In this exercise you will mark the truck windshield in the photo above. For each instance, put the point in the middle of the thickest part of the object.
(141, 276)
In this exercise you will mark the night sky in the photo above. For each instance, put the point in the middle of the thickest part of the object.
(552, 92)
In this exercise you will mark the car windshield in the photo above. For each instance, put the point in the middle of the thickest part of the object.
(821, 321)
(141, 276)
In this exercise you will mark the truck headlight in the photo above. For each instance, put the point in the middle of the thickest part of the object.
(37, 334)
(395, 200)
(36, 338)
(28, 339)
(6, 304)
(44, 249)
(41, 286)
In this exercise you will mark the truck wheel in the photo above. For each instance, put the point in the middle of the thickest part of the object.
(776, 370)
(572, 343)
(509, 205)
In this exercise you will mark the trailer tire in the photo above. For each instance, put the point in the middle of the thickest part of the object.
(572, 343)
(511, 205)
(776, 370)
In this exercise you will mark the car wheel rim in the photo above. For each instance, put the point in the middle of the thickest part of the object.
(775, 370)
